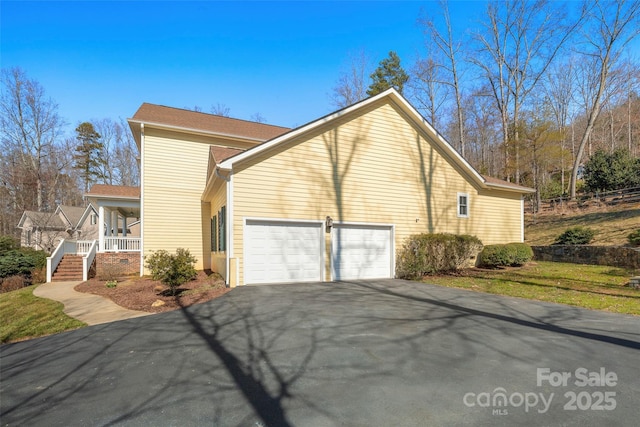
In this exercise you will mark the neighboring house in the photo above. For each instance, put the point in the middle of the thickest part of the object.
(331, 200)
(45, 230)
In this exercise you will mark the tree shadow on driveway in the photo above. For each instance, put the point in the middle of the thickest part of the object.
(347, 353)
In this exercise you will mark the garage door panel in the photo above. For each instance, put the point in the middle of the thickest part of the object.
(361, 252)
(278, 251)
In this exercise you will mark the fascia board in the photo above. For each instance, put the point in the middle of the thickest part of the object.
(58, 211)
(85, 214)
(510, 188)
(23, 218)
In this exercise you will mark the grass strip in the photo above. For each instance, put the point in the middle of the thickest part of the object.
(26, 316)
(594, 287)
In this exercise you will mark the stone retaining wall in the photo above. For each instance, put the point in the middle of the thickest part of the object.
(616, 256)
(111, 265)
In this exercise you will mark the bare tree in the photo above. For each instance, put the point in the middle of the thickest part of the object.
(119, 152)
(30, 128)
(351, 86)
(559, 88)
(451, 50)
(483, 128)
(258, 118)
(220, 110)
(125, 157)
(520, 41)
(610, 27)
(428, 90)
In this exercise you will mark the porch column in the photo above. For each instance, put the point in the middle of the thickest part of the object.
(107, 223)
(124, 226)
(101, 229)
(114, 223)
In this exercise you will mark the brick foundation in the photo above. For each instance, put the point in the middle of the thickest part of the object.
(112, 265)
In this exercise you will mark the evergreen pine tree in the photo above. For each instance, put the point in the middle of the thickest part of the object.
(87, 158)
(388, 74)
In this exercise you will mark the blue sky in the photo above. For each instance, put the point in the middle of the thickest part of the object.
(279, 59)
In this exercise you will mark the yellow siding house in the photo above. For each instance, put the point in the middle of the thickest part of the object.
(330, 200)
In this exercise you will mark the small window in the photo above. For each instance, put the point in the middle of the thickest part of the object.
(463, 205)
(28, 238)
(94, 219)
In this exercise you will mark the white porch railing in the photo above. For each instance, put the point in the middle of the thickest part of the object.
(84, 246)
(88, 250)
(121, 244)
(88, 258)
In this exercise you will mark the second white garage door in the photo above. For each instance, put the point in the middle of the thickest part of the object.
(282, 251)
(361, 252)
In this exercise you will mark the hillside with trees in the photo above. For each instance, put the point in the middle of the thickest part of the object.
(41, 167)
(532, 93)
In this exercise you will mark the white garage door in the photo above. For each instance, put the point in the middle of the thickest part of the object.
(279, 251)
(361, 252)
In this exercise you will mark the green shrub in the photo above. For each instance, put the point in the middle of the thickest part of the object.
(494, 256)
(522, 253)
(575, 236)
(510, 254)
(8, 243)
(435, 253)
(21, 262)
(172, 269)
(634, 238)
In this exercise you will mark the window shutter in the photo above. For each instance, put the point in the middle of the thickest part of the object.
(214, 234)
(223, 234)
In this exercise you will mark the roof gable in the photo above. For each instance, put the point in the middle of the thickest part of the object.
(71, 214)
(44, 220)
(218, 154)
(411, 114)
(87, 211)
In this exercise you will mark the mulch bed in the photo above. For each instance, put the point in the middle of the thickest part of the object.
(140, 293)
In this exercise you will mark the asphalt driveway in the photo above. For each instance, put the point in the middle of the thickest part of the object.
(377, 353)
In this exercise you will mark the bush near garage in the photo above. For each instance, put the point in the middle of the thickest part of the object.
(172, 269)
(426, 253)
(505, 255)
(575, 236)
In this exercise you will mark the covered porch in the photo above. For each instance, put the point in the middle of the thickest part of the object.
(118, 247)
(120, 228)
(118, 217)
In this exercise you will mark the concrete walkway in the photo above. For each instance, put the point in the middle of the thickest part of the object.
(88, 308)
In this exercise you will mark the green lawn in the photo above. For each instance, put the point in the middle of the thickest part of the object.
(26, 316)
(589, 286)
